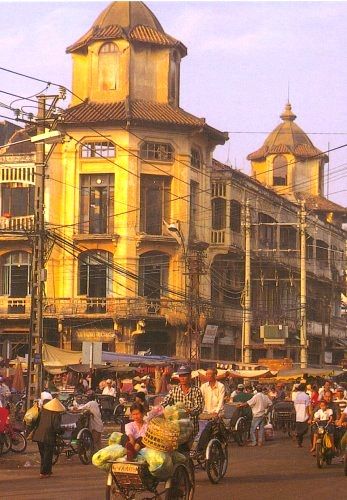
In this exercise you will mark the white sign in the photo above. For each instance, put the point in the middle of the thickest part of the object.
(210, 334)
(92, 352)
(328, 357)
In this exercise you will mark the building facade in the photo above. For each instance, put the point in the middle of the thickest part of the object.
(286, 170)
(146, 231)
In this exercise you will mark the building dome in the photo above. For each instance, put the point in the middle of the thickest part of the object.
(127, 15)
(287, 137)
(132, 21)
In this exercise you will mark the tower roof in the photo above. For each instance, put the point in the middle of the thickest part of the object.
(287, 137)
(132, 21)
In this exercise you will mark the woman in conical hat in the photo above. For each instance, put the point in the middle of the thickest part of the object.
(49, 423)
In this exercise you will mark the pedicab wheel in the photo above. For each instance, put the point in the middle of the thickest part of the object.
(345, 463)
(180, 488)
(5, 443)
(58, 449)
(85, 446)
(319, 455)
(215, 461)
(226, 459)
(241, 434)
(18, 442)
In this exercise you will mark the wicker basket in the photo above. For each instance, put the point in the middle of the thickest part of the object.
(161, 435)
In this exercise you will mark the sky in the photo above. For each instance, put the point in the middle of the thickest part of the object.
(244, 58)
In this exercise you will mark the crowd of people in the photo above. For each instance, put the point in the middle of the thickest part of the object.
(323, 404)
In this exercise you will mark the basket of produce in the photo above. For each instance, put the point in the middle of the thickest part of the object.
(161, 434)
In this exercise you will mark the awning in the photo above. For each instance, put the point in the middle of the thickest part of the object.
(55, 358)
(294, 373)
(110, 357)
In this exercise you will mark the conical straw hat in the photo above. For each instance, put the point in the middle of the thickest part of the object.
(54, 405)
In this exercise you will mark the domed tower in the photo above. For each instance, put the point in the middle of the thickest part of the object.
(126, 54)
(288, 161)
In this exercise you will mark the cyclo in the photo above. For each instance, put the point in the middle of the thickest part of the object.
(75, 437)
(210, 448)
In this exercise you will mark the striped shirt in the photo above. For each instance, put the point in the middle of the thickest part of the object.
(192, 400)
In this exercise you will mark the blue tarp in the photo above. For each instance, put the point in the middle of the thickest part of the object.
(109, 357)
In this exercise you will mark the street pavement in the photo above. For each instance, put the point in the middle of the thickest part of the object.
(279, 470)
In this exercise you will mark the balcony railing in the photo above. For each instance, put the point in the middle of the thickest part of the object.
(22, 223)
(218, 237)
(20, 173)
(108, 307)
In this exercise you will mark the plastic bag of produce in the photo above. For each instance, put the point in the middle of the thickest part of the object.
(115, 438)
(31, 415)
(110, 453)
(186, 430)
(160, 463)
(175, 412)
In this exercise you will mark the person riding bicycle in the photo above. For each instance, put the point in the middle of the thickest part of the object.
(187, 394)
(324, 418)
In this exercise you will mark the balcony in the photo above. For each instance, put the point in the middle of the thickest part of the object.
(127, 308)
(22, 223)
(20, 173)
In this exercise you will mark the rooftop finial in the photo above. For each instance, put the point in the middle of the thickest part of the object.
(288, 115)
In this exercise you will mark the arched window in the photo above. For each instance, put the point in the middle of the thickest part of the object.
(280, 171)
(15, 274)
(108, 67)
(95, 273)
(218, 213)
(235, 216)
(154, 274)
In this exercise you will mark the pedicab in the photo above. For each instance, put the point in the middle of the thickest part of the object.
(210, 448)
(159, 470)
(75, 437)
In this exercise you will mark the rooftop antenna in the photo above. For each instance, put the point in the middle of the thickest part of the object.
(228, 157)
(288, 92)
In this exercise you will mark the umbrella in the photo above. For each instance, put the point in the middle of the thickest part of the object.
(18, 379)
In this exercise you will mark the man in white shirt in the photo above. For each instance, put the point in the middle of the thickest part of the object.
(108, 389)
(96, 425)
(302, 413)
(259, 403)
(213, 393)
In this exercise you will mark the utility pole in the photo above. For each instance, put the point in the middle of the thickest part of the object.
(246, 323)
(196, 268)
(39, 250)
(303, 317)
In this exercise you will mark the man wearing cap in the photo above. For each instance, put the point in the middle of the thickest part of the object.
(185, 393)
(47, 426)
(108, 390)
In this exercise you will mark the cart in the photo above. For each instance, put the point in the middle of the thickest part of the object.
(283, 417)
(238, 423)
(75, 437)
(212, 457)
(130, 480)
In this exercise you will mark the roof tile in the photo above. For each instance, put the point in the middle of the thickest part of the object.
(137, 111)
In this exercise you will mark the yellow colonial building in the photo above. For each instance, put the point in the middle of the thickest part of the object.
(133, 162)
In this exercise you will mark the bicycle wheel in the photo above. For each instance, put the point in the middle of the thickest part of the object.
(180, 485)
(319, 455)
(85, 446)
(215, 461)
(58, 449)
(5, 443)
(18, 442)
(226, 459)
(241, 434)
